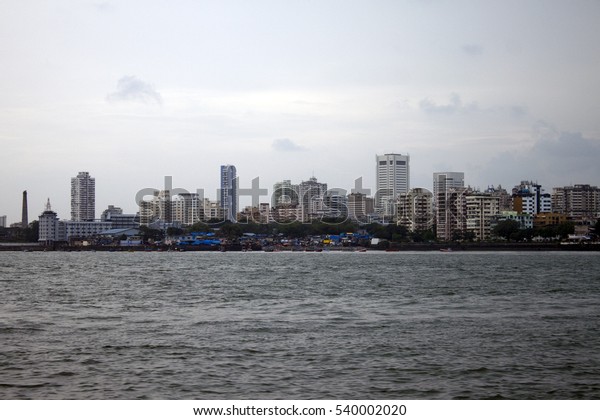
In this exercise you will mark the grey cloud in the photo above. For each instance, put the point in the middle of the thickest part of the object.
(518, 111)
(472, 49)
(455, 106)
(286, 145)
(556, 158)
(130, 88)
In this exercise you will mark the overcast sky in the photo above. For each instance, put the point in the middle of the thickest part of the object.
(135, 90)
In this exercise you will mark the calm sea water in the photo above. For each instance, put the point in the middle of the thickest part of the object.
(299, 325)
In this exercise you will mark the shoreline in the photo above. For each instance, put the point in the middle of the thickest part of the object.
(394, 247)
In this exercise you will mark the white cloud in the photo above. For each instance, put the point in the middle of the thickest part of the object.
(286, 145)
(130, 88)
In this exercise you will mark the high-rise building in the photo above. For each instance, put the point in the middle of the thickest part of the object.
(2, 221)
(229, 192)
(284, 194)
(83, 198)
(188, 208)
(449, 203)
(504, 198)
(393, 179)
(445, 180)
(415, 210)
(311, 196)
(580, 201)
(482, 209)
(529, 198)
(360, 207)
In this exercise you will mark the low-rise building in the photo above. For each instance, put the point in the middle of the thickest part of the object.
(525, 220)
(549, 219)
(118, 219)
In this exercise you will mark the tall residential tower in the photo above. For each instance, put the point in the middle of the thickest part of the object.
(83, 198)
(449, 203)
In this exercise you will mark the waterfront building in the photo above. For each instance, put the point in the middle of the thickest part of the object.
(525, 220)
(580, 201)
(549, 219)
(83, 230)
(448, 205)
(360, 206)
(481, 208)
(504, 198)
(118, 219)
(83, 197)
(529, 197)
(284, 193)
(187, 208)
(451, 215)
(443, 181)
(335, 204)
(392, 179)
(148, 210)
(213, 210)
(311, 195)
(229, 192)
(260, 214)
(50, 228)
(286, 213)
(159, 209)
(415, 210)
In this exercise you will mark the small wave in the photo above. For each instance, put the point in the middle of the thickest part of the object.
(64, 373)
(5, 385)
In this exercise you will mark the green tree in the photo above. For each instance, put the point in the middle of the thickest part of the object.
(231, 230)
(469, 236)
(151, 234)
(596, 229)
(32, 232)
(506, 229)
(198, 227)
(173, 231)
(565, 229)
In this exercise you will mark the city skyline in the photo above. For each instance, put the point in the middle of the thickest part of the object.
(501, 92)
(261, 194)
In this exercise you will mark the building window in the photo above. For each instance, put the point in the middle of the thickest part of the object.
(382, 162)
(400, 162)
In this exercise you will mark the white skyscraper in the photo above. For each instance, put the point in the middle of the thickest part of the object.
(393, 179)
(83, 198)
